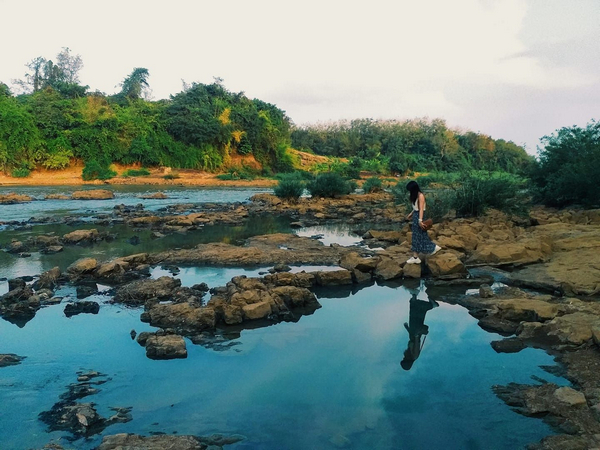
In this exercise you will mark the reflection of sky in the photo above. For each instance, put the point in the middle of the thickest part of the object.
(290, 385)
(332, 234)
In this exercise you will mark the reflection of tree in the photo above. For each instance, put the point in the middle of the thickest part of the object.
(416, 329)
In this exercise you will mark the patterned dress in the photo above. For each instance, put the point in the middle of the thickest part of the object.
(421, 243)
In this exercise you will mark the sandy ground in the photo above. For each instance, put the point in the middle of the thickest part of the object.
(72, 176)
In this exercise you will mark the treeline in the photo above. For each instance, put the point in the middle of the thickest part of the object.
(56, 120)
(411, 146)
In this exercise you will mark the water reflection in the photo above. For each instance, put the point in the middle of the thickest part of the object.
(416, 327)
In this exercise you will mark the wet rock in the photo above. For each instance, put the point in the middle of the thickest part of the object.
(156, 195)
(48, 279)
(93, 194)
(16, 283)
(498, 325)
(360, 277)
(512, 345)
(52, 249)
(24, 255)
(87, 307)
(140, 291)
(81, 236)
(16, 247)
(185, 317)
(133, 334)
(388, 269)
(169, 346)
(86, 289)
(81, 267)
(10, 359)
(485, 291)
(161, 442)
(281, 268)
(334, 277)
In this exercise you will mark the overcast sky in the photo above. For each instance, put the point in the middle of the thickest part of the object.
(514, 69)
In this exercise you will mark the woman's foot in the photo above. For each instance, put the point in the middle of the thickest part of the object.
(413, 260)
(436, 249)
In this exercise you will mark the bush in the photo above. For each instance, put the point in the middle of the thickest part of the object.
(93, 170)
(136, 173)
(372, 184)
(172, 176)
(479, 191)
(239, 173)
(569, 167)
(329, 184)
(290, 187)
(21, 172)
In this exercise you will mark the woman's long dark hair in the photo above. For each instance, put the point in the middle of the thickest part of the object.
(414, 189)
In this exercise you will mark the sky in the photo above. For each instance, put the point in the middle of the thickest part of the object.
(512, 69)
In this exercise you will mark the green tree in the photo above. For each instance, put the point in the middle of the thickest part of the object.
(135, 84)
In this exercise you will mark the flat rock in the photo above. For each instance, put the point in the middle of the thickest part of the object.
(388, 269)
(93, 194)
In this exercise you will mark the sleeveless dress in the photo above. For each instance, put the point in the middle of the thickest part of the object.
(421, 243)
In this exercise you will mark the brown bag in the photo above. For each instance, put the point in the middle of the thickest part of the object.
(427, 224)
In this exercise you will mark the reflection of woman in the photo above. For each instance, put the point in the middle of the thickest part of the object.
(416, 329)
(420, 240)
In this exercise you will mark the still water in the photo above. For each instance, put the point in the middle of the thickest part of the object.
(387, 366)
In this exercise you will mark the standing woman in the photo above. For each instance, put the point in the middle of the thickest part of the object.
(420, 240)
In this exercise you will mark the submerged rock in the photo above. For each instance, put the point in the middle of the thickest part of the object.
(10, 359)
(163, 441)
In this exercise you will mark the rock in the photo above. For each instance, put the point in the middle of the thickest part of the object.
(257, 310)
(16, 283)
(87, 307)
(24, 255)
(353, 260)
(446, 264)
(388, 269)
(57, 197)
(485, 291)
(570, 396)
(10, 359)
(388, 236)
(12, 198)
(498, 325)
(334, 277)
(412, 271)
(79, 236)
(184, 317)
(282, 268)
(140, 291)
(525, 251)
(170, 346)
(16, 247)
(133, 334)
(526, 309)
(82, 266)
(360, 277)
(512, 345)
(87, 289)
(164, 441)
(93, 194)
(52, 249)
(156, 195)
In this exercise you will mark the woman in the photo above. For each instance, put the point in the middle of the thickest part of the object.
(420, 240)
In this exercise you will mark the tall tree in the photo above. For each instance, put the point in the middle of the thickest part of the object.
(135, 84)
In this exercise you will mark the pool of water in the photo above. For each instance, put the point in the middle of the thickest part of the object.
(127, 194)
(333, 378)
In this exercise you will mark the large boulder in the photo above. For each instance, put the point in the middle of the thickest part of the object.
(334, 277)
(82, 266)
(79, 236)
(184, 317)
(258, 310)
(93, 194)
(140, 291)
(353, 260)
(170, 346)
(48, 279)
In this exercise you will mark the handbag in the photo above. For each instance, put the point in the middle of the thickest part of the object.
(427, 224)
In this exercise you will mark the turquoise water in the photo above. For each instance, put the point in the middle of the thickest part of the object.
(128, 195)
(333, 375)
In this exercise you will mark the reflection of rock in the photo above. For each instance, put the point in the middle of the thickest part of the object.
(512, 345)
(93, 194)
(86, 288)
(161, 442)
(72, 309)
(10, 359)
(19, 305)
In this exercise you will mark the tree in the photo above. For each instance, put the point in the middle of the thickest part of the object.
(135, 84)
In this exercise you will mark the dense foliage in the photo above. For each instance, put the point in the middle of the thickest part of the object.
(55, 121)
(568, 171)
(290, 187)
(410, 146)
(330, 184)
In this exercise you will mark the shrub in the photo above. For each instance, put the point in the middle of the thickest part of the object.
(329, 184)
(93, 170)
(172, 176)
(372, 184)
(290, 187)
(479, 191)
(21, 172)
(136, 173)
(239, 173)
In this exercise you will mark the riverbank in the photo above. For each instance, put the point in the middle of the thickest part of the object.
(157, 177)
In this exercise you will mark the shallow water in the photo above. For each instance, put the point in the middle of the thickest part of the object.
(333, 375)
(126, 194)
(333, 378)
